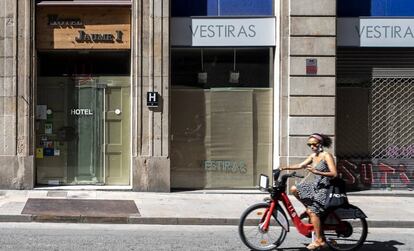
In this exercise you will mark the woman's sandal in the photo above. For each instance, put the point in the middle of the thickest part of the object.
(316, 245)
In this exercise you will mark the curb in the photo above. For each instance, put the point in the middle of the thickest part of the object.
(16, 218)
(389, 194)
(166, 220)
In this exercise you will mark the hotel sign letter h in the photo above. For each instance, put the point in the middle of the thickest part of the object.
(152, 99)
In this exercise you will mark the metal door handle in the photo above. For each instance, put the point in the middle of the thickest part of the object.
(117, 111)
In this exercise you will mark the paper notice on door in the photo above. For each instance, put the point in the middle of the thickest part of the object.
(48, 128)
(39, 153)
(57, 152)
(48, 152)
(41, 112)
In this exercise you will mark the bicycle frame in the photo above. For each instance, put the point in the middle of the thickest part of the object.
(305, 229)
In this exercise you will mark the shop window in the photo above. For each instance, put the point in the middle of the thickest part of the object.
(188, 8)
(85, 62)
(357, 8)
(221, 117)
(249, 67)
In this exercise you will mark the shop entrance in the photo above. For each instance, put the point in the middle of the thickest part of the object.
(82, 120)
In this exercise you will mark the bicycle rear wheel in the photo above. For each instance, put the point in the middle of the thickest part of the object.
(347, 235)
(251, 234)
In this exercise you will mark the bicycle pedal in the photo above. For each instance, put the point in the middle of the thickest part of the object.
(333, 242)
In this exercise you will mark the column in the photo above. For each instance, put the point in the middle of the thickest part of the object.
(151, 163)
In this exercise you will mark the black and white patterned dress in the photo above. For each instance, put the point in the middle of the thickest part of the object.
(313, 194)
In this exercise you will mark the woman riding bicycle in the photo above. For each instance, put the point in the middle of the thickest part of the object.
(313, 194)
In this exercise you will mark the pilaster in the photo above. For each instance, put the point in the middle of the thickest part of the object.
(151, 163)
(307, 97)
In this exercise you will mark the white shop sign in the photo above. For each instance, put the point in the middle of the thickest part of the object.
(375, 32)
(223, 31)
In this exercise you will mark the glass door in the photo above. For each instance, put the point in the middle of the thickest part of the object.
(70, 126)
(86, 115)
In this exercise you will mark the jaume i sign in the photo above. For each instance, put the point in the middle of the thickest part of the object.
(97, 37)
(376, 32)
(223, 31)
(56, 21)
(89, 28)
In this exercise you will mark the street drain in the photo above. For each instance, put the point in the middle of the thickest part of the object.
(78, 207)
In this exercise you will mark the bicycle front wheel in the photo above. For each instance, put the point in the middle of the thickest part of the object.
(348, 235)
(253, 236)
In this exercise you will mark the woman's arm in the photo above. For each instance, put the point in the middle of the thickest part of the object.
(331, 165)
(299, 166)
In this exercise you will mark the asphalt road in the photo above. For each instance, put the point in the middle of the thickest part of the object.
(60, 236)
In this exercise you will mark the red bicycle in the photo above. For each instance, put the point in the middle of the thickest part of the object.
(264, 226)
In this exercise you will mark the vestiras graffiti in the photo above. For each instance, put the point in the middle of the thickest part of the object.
(226, 166)
(368, 175)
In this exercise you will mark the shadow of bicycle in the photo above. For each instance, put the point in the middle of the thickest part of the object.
(369, 245)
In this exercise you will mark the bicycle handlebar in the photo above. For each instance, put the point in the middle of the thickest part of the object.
(280, 181)
(296, 175)
(283, 178)
(291, 175)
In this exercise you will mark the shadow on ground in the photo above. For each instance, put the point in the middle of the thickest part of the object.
(369, 245)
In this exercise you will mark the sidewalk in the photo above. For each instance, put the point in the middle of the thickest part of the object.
(212, 207)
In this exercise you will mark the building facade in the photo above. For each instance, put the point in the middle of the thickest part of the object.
(375, 93)
(76, 74)
(155, 95)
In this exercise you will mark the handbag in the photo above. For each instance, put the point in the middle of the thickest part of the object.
(336, 194)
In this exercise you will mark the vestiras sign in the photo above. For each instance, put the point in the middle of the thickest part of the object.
(223, 31)
(376, 32)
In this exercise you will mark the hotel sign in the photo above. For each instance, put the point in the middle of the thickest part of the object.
(375, 32)
(99, 38)
(55, 20)
(83, 28)
(223, 31)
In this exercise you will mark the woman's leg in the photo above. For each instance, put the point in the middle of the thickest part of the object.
(294, 191)
(316, 221)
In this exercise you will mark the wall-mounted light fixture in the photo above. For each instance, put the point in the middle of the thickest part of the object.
(234, 75)
(202, 76)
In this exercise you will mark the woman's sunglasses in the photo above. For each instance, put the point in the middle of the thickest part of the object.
(312, 144)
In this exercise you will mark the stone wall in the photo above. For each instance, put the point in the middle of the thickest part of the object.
(308, 31)
(151, 163)
(16, 161)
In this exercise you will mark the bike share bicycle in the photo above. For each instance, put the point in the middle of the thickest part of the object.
(264, 226)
